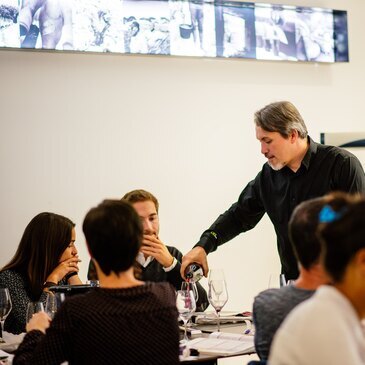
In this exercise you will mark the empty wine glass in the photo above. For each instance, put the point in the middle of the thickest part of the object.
(53, 303)
(32, 308)
(217, 296)
(186, 306)
(5, 308)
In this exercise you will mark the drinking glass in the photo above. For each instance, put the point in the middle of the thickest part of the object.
(190, 286)
(282, 280)
(53, 303)
(93, 283)
(5, 308)
(32, 308)
(218, 297)
(186, 306)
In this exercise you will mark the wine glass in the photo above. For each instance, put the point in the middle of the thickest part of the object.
(190, 286)
(53, 303)
(186, 306)
(217, 296)
(5, 308)
(32, 308)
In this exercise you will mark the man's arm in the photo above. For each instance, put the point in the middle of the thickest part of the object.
(240, 217)
(351, 177)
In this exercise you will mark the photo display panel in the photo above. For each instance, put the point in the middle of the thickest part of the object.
(228, 29)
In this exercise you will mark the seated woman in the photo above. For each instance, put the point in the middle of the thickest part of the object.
(46, 256)
(326, 329)
(125, 321)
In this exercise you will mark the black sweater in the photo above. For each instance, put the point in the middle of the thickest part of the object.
(109, 326)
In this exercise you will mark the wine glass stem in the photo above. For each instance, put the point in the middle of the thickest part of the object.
(218, 322)
(185, 332)
(2, 332)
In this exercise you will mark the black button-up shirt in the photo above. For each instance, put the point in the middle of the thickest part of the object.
(277, 193)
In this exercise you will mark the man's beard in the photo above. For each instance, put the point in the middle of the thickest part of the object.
(278, 166)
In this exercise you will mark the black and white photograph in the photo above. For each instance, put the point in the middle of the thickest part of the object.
(192, 28)
(198, 28)
(146, 27)
(340, 36)
(314, 35)
(275, 32)
(98, 26)
(9, 29)
(235, 30)
(46, 24)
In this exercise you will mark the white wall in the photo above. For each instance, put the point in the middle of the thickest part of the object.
(77, 128)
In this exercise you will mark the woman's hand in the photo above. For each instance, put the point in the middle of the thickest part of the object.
(40, 321)
(65, 267)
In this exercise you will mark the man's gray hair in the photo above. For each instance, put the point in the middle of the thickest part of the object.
(282, 117)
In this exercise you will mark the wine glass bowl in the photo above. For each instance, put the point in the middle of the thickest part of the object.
(53, 303)
(32, 308)
(190, 286)
(5, 308)
(185, 304)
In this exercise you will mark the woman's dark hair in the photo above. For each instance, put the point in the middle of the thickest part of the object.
(44, 240)
(113, 234)
(343, 234)
(302, 230)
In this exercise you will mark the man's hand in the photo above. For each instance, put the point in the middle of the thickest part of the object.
(198, 255)
(152, 246)
(40, 321)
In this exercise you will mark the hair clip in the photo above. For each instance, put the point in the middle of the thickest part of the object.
(328, 215)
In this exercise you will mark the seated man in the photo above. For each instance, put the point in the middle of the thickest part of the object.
(327, 328)
(272, 306)
(125, 321)
(155, 261)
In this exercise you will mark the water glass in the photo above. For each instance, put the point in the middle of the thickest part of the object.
(53, 303)
(5, 308)
(33, 307)
(93, 283)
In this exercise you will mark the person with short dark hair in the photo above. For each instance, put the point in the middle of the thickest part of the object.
(125, 321)
(272, 306)
(155, 261)
(297, 169)
(327, 328)
(46, 256)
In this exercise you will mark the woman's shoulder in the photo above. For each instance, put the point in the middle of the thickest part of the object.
(11, 275)
(10, 278)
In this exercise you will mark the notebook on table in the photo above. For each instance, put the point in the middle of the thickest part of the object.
(223, 344)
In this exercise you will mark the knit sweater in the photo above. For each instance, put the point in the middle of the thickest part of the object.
(136, 325)
(20, 297)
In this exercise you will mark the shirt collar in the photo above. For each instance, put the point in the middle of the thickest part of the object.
(142, 260)
(311, 151)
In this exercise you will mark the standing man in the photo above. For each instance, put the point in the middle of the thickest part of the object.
(155, 261)
(297, 169)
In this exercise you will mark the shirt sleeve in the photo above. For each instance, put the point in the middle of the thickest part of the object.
(351, 177)
(240, 217)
